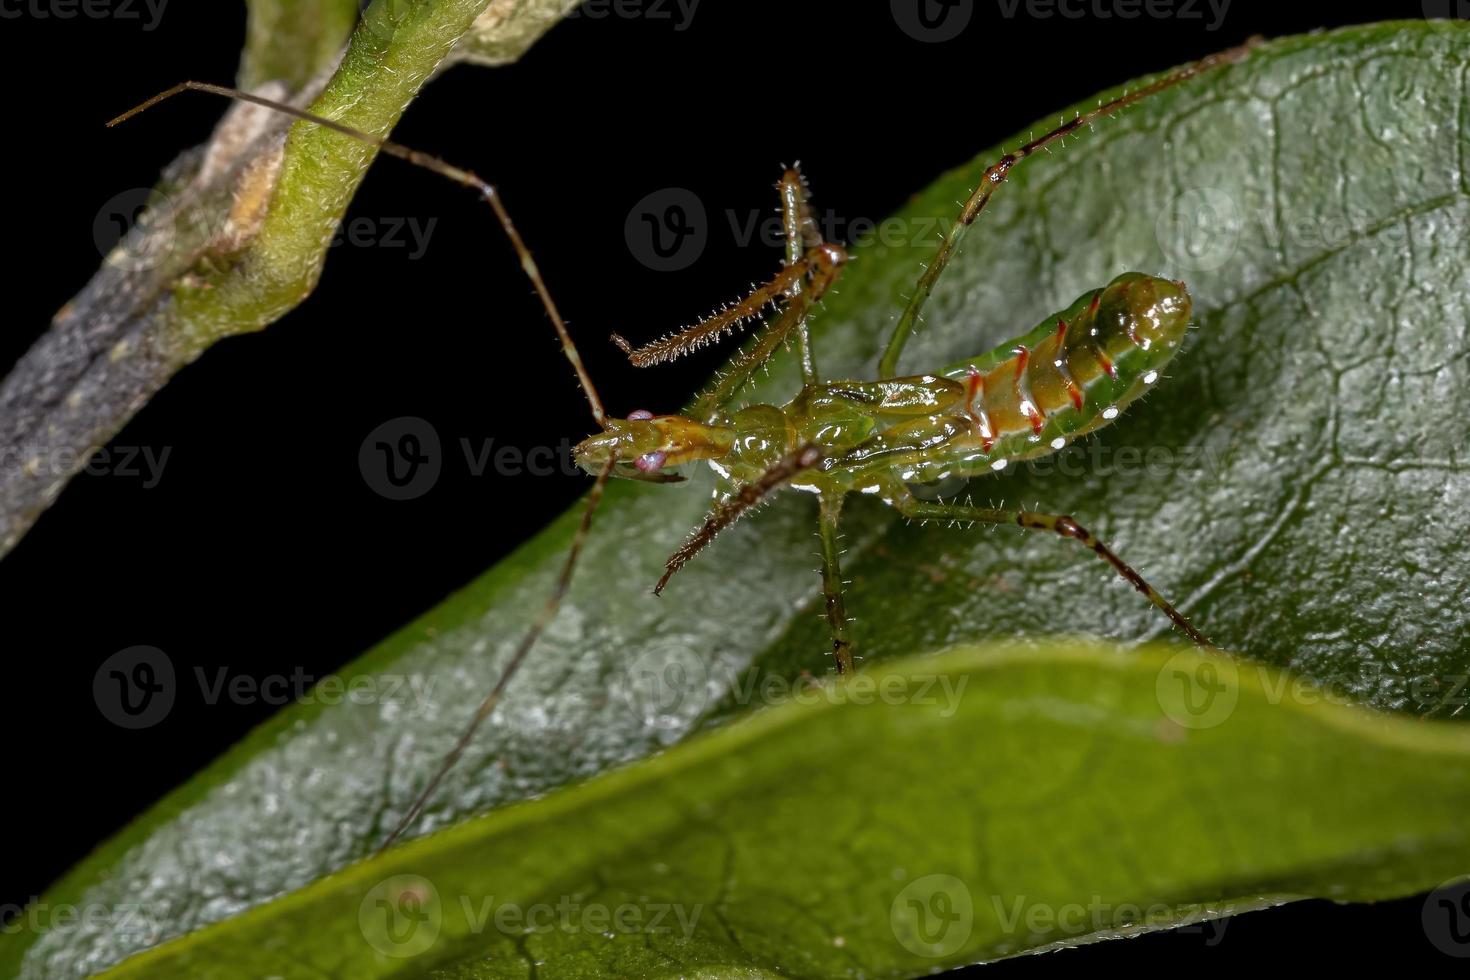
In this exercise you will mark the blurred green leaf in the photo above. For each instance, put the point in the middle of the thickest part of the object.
(931, 813)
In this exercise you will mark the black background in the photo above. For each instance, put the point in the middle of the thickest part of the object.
(263, 550)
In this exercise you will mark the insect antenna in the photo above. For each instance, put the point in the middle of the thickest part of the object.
(487, 707)
(459, 175)
(528, 265)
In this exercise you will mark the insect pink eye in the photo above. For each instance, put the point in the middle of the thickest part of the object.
(642, 415)
(651, 462)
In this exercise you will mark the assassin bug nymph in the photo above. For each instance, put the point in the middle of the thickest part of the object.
(1071, 375)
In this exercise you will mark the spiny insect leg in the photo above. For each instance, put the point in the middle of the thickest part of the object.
(723, 516)
(548, 612)
(831, 512)
(805, 255)
(996, 174)
(801, 233)
(912, 507)
(826, 265)
(715, 326)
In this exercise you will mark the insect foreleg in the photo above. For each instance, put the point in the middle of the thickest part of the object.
(832, 585)
(717, 325)
(827, 262)
(996, 174)
(808, 257)
(910, 506)
(749, 495)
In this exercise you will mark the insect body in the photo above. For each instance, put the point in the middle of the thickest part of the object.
(1072, 374)
(1029, 397)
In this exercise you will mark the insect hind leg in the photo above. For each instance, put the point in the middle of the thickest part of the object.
(1060, 524)
(832, 584)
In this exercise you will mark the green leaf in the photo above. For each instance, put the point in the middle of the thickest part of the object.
(1305, 512)
(935, 812)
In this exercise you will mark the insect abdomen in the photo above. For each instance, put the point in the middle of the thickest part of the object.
(1075, 372)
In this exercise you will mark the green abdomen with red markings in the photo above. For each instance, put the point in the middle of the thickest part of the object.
(1075, 372)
